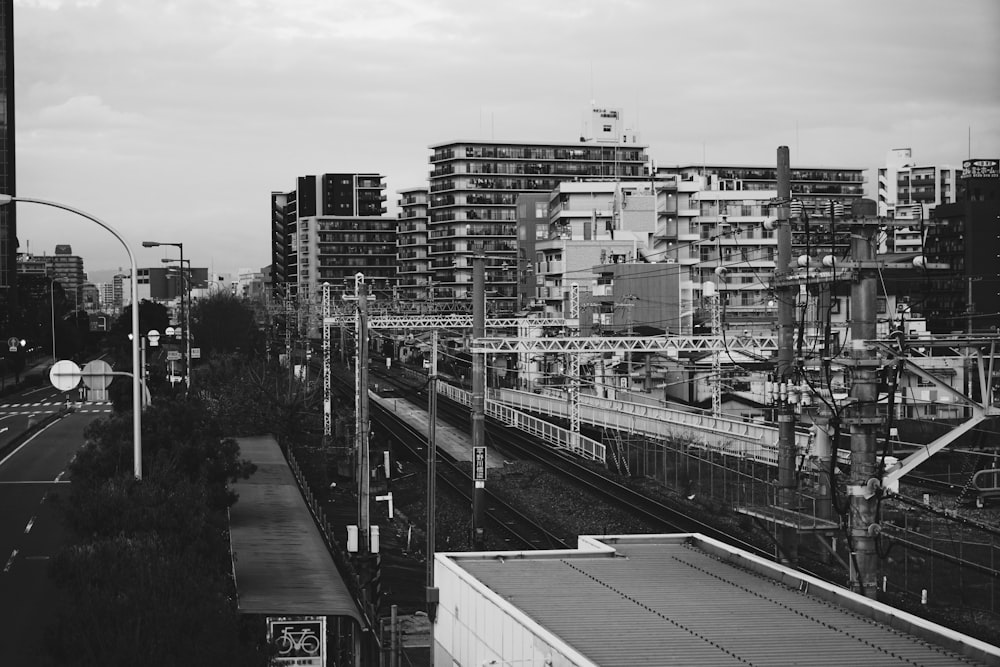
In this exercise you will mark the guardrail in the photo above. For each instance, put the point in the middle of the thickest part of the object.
(563, 438)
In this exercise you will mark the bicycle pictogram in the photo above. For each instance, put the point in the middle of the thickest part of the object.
(304, 640)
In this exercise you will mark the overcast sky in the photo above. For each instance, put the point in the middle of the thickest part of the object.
(174, 120)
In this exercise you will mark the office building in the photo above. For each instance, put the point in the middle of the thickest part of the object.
(8, 222)
(965, 236)
(474, 186)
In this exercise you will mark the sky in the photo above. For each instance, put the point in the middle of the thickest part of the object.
(173, 121)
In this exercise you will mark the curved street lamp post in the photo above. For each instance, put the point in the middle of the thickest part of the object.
(136, 368)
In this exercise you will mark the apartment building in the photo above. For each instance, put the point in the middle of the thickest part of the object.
(908, 191)
(710, 223)
(328, 229)
(415, 276)
(474, 186)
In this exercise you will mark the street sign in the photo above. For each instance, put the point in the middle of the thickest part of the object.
(173, 355)
(12, 344)
(479, 464)
(64, 375)
(298, 641)
(97, 374)
(154, 337)
(196, 353)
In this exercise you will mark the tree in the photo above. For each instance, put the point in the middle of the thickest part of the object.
(149, 580)
(152, 315)
(224, 323)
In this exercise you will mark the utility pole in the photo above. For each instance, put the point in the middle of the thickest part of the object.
(478, 394)
(785, 371)
(432, 591)
(361, 414)
(862, 413)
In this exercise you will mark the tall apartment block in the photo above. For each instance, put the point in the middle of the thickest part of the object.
(907, 191)
(8, 225)
(411, 241)
(328, 229)
(710, 223)
(474, 187)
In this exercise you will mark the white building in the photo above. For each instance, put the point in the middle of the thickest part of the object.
(907, 191)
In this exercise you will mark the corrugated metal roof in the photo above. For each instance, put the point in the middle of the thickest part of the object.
(673, 603)
(281, 563)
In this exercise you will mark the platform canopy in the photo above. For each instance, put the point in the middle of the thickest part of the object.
(281, 563)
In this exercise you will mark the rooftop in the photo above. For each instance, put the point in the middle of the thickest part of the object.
(690, 600)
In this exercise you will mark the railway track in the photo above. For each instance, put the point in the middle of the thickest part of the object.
(509, 528)
(581, 474)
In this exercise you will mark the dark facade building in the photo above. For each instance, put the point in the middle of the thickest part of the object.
(8, 225)
(965, 235)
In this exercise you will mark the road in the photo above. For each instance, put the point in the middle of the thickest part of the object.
(31, 477)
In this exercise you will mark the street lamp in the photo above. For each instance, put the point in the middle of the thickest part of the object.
(184, 310)
(136, 368)
(185, 313)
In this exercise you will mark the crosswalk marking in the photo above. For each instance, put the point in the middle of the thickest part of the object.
(46, 404)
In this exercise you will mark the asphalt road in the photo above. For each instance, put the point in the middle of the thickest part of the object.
(31, 476)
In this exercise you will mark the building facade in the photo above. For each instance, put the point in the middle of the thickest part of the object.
(329, 228)
(710, 224)
(474, 186)
(8, 220)
(907, 191)
(965, 236)
(415, 276)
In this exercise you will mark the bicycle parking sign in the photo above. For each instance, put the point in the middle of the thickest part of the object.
(300, 642)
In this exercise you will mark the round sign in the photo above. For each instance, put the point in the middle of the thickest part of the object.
(97, 374)
(169, 331)
(154, 337)
(64, 375)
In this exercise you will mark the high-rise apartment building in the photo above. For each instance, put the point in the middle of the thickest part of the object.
(67, 269)
(330, 228)
(8, 225)
(474, 186)
(411, 240)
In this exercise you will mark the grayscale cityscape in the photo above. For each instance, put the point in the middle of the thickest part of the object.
(686, 354)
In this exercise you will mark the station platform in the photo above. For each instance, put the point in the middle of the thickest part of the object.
(455, 441)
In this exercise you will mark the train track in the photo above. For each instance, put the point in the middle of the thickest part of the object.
(520, 445)
(510, 529)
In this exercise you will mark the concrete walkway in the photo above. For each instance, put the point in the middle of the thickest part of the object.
(453, 440)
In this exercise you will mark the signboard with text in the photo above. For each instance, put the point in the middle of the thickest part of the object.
(981, 169)
(479, 464)
(299, 641)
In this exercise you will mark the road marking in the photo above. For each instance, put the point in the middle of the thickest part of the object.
(31, 522)
(10, 561)
(59, 476)
(36, 557)
(25, 443)
(35, 481)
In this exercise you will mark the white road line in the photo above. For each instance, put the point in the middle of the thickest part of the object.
(31, 522)
(34, 481)
(23, 444)
(59, 476)
(10, 561)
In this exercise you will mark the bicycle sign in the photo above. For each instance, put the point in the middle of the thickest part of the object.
(299, 642)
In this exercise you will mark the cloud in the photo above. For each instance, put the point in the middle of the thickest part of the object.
(85, 113)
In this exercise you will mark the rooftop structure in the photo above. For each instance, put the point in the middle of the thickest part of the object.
(669, 600)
